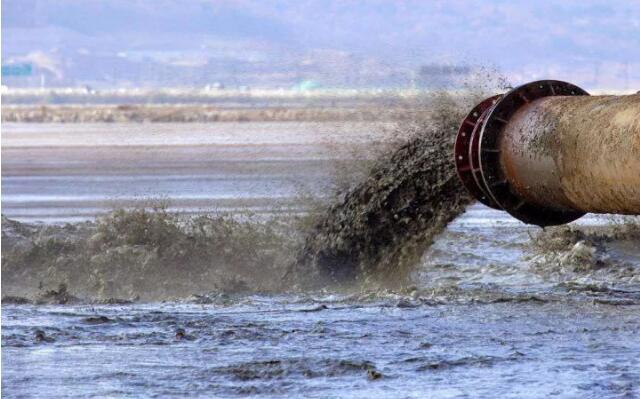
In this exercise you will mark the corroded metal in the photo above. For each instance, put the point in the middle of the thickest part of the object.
(550, 153)
(576, 153)
(467, 162)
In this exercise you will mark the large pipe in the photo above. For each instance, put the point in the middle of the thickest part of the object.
(547, 153)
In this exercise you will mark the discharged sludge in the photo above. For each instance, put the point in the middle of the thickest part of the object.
(375, 232)
(382, 226)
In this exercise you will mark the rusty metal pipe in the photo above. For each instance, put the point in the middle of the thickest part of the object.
(547, 153)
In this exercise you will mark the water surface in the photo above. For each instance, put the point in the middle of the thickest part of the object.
(488, 314)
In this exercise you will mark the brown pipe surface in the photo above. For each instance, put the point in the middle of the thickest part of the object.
(575, 153)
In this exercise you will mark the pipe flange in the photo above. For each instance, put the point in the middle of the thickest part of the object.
(495, 183)
(467, 162)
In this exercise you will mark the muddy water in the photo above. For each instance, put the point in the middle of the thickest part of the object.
(481, 321)
(282, 347)
(383, 224)
(487, 314)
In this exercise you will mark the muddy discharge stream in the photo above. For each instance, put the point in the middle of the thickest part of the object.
(375, 232)
(383, 225)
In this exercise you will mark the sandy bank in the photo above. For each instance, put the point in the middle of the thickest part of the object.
(192, 113)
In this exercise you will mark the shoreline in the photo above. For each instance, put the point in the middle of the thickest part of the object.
(194, 113)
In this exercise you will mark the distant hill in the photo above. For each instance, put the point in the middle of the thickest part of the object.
(121, 43)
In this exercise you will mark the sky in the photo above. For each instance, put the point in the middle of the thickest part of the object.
(113, 43)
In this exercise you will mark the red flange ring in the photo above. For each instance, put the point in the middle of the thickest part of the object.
(467, 162)
(495, 182)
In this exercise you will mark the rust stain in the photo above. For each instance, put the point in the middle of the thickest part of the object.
(581, 153)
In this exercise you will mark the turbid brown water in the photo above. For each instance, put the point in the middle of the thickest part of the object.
(491, 315)
(381, 226)
(378, 229)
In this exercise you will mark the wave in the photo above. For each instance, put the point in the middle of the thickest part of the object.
(144, 254)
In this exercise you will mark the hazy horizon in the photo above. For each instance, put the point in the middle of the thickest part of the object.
(284, 44)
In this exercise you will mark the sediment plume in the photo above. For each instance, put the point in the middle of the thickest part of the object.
(602, 255)
(375, 232)
(142, 254)
(382, 226)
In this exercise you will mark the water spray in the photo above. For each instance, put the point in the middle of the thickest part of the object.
(547, 153)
